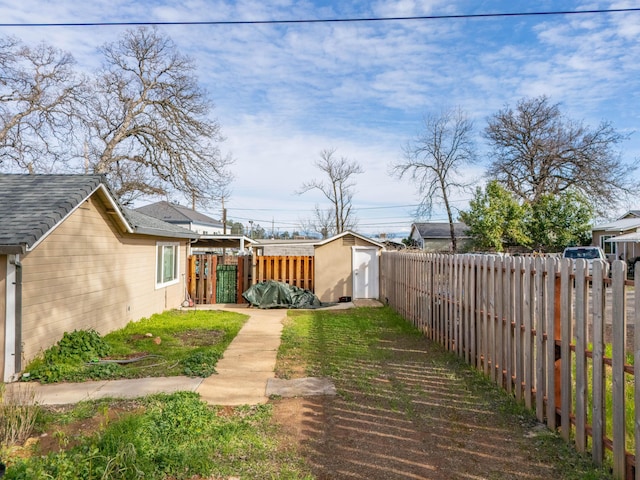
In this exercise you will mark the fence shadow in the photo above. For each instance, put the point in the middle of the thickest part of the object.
(416, 417)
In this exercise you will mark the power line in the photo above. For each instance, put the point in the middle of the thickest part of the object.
(323, 20)
(385, 207)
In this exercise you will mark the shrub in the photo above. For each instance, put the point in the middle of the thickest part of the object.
(62, 361)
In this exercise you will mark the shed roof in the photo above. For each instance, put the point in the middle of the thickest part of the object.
(316, 242)
(173, 213)
(349, 232)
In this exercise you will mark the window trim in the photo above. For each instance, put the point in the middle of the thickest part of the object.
(160, 260)
(609, 248)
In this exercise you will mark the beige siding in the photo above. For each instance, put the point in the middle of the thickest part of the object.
(334, 269)
(3, 319)
(87, 274)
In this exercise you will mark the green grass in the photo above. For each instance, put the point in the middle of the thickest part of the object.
(359, 350)
(179, 437)
(173, 436)
(172, 343)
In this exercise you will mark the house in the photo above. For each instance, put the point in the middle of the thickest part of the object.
(305, 246)
(345, 265)
(436, 237)
(183, 217)
(620, 239)
(212, 237)
(72, 258)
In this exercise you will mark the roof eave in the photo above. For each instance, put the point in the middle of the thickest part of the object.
(163, 233)
(13, 249)
(115, 208)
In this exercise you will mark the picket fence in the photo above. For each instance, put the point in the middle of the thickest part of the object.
(549, 331)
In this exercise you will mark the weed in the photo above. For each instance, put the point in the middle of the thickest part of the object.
(18, 414)
(171, 436)
(200, 364)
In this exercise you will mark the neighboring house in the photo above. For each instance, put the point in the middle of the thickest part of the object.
(183, 217)
(620, 239)
(391, 244)
(281, 247)
(436, 237)
(72, 258)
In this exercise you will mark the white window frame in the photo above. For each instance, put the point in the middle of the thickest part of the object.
(609, 248)
(161, 251)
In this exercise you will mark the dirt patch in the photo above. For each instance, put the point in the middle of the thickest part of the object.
(419, 415)
(299, 418)
(200, 337)
(64, 436)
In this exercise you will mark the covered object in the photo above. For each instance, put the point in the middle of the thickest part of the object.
(272, 294)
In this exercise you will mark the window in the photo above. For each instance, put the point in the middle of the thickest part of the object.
(166, 264)
(608, 247)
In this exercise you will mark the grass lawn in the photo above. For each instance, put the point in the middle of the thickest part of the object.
(167, 344)
(380, 363)
(365, 351)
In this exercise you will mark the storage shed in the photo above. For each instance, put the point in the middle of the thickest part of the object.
(347, 265)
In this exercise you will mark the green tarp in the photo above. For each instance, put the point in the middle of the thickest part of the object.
(272, 294)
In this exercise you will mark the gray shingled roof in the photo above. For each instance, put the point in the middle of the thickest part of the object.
(172, 213)
(31, 205)
(440, 230)
(146, 225)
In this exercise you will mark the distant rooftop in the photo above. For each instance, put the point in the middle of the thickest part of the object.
(177, 214)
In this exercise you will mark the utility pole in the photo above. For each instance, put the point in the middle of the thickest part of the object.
(224, 218)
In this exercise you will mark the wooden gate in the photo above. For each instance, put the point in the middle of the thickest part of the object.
(226, 284)
(212, 279)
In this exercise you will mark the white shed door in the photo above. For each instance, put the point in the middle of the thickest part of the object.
(365, 272)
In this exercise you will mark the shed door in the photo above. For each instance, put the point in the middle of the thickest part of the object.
(365, 272)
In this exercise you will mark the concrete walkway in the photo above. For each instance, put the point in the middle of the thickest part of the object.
(247, 363)
(241, 377)
(245, 374)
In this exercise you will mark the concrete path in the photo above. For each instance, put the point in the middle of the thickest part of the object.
(245, 374)
(241, 377)
(247, 363)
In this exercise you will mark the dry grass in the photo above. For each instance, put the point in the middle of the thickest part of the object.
(18, 414)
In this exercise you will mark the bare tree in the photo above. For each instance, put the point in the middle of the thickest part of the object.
(338, 190)
(38, 97)
(322, 222)
(149, 129)
(434, 158)
(537, 151)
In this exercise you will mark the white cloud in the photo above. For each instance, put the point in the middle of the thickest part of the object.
(284, 92)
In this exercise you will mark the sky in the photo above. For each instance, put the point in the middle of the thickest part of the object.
(282, 93)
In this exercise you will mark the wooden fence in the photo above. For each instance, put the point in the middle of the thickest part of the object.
(294, 270)
(540, 328)
(202, 276)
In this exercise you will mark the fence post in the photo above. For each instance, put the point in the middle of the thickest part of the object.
(557, 337)
(212, 279)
